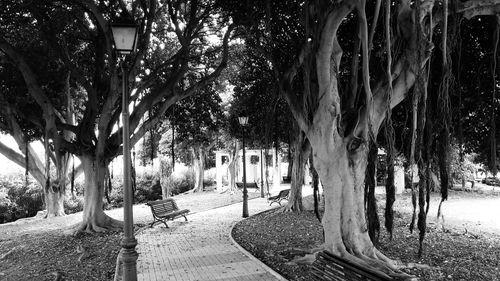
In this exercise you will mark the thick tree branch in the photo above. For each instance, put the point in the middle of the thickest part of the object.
(168, 89)
(472, 8)
(33, 86)
(20, 160)
(146, 29)
(150, 122)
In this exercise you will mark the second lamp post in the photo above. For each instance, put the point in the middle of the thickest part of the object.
(243, 122)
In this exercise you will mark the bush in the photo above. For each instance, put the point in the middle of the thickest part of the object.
(181, 182)
(115, 197)
(209, 179)
(148, 188)
(73, 205)
(29, 200)
(18, 200)
(6, 207)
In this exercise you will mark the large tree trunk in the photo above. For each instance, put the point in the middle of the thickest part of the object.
(301, 151)
(277, 168)
(54, 201)
(94, 218)
(198, 154)
(341, 164)
(166, 170)
(54, 196)
(290, 158)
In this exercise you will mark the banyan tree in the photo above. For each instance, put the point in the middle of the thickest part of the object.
(342, 66)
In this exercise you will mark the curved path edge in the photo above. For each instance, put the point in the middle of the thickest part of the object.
(249, 255)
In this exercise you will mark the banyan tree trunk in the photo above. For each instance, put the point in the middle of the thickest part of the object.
(301, 151)
(199, 167)
(343, 177)
(54, 200)
(165, 177)
(233, 167)
(94, 218)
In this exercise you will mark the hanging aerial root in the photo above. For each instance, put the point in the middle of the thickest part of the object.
(440, 215)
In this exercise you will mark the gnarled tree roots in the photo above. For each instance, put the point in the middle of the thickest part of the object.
(370, 258)
(102, 224)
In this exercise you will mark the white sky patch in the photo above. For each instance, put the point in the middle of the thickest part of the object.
(227, 94)
(213, 39)
(89, 21)
(236, 41)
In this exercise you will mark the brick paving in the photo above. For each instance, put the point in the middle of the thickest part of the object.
(200, 249)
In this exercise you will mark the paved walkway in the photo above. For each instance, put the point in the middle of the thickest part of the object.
(200, 249)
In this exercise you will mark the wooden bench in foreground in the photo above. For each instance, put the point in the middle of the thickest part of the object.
(164, 210)
(249, 185)
(283, 195)
(331, 267)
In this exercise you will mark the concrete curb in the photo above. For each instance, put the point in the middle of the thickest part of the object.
(248, 254)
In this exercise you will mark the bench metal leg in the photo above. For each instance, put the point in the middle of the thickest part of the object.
(153, 223)
(158, 220)
(165, 223)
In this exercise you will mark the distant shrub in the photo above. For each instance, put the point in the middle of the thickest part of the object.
(181, 182)
(209, 179)
(6, 207)
(148, 188)
(18, 200)
(73, 204)
(115, 196)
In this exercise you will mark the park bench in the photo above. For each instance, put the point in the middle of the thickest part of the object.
(283, 195)
(249, 185)
(164, 210)
(331, 267)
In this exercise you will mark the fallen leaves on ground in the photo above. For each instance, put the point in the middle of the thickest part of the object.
(277, 237)
(43, 256)
(28, 251)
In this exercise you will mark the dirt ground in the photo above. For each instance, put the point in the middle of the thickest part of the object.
(43, 249)
(472, 210)
(468, 248)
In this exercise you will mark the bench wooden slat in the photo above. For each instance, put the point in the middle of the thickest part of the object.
(331, 267)
(164, 210)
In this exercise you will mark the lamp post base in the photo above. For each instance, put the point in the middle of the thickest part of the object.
(126, 265)
(245, 202)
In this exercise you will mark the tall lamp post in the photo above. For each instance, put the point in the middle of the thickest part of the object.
(243, 122)
(125, 38)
